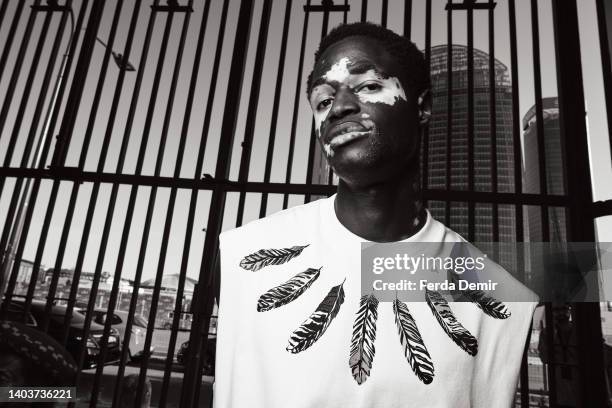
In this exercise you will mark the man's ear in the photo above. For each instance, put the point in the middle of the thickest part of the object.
(424, 105)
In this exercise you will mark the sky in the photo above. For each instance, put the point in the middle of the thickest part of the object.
(593, 83)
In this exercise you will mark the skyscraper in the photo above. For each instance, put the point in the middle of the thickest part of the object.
(552, 166)
(441, 159)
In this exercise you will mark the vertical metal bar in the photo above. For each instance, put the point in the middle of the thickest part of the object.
(247, 143)
(385, 10)
(493, 118)
(311, 152)
(518, 168)
(203, 300)
(606, 60)
(10, 90)
(580, 225)
(25, 98)
(296, 101)
(407, 18)
(50, 126)
(345, 13)
(50, 207)
(524, 373)
(449, 105)
(364, 10)
(110, 210)
(470, 119)
(76, 186)
(193, 199)
(425, 141)
(313, 136)
(171, 202)
(537, 85)
(71, 205)
(132, 198)
(516, 121)
(10, 35)
(10, 221)
(68, 121)
(108, 132)
(551, 369)
(105, 143)
(275, 106)
(78, 84)
(3, 8)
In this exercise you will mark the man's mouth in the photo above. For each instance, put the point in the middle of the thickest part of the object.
(348, 132)
(347, 137)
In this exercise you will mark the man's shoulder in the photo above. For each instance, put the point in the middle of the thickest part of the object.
(509, 287)
(295, 219)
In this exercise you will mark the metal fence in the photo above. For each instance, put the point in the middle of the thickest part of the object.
(212, 128)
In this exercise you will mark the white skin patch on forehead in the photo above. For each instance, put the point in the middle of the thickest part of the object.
(339, 71)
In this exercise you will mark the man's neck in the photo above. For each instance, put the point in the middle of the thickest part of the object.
(385, 212)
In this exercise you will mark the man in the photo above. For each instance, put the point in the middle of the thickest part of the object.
(294, 329)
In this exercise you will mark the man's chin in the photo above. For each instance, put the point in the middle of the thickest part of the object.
(365, 173)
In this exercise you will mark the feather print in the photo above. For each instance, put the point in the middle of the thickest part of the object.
(288, 291)
(314, 327)
(264, 257)
(488, 304)
(364, 334)
(412, 342)
(459, 334)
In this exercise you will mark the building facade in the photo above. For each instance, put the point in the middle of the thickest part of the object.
(553, 168)
(447, 152)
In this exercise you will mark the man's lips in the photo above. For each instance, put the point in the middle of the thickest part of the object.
(345, 138)
(347, 132)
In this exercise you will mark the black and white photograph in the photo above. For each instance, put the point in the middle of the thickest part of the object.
(306, 203)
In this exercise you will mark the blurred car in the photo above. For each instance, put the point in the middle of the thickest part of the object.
(76, 331)
(209, 360)
(119, 322)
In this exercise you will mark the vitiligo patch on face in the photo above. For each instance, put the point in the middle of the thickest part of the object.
(329, 152)
(339, 71)
(390, 92)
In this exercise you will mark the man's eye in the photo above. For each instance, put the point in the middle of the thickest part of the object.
(370, 87)
(324, 103)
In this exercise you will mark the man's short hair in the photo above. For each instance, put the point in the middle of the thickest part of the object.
(404, 51)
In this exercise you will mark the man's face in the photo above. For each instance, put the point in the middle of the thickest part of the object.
(366, 121)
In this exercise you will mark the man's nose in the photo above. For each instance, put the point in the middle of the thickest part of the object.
(345, 103)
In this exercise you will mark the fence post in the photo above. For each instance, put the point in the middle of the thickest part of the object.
(580, 223)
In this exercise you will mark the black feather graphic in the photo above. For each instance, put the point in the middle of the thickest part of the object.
(459, 334)
(414, 348)
(288, 291)
(364, 334)
(314, 327)
(265, 257)
(488, 304)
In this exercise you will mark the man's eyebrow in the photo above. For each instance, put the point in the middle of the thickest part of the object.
(319, 81)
